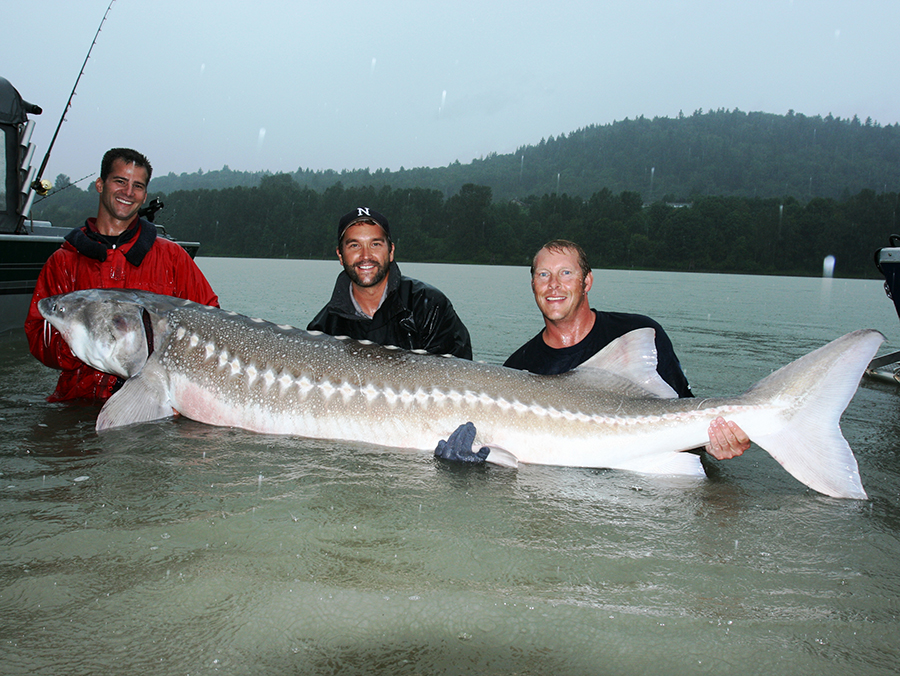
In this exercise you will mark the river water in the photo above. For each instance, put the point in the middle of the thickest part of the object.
(177, 548)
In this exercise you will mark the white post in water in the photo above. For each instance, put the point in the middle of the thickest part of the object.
(828, 266)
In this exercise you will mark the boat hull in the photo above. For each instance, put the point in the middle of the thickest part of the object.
(21, 260)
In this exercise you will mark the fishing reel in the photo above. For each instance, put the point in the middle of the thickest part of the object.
(42, 187)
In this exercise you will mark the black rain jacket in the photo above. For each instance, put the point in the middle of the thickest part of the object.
(414, 316)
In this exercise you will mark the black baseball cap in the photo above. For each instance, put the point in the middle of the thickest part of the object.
(362, 215)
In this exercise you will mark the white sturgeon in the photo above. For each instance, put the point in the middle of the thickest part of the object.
(226, 369)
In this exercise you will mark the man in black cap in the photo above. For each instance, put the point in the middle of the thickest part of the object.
(373, 301)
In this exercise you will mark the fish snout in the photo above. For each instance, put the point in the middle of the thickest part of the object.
(54, 309)
(49, 307)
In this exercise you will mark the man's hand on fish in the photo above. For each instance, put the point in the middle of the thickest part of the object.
(726, 439)
(458, 446)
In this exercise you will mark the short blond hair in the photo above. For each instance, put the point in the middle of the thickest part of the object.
(560, 246)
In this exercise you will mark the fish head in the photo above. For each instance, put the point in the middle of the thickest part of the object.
(112, 330)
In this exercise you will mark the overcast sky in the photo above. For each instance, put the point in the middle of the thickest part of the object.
(277, 85)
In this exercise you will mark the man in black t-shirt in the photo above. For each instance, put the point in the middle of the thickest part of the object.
(573, 333)
(538, 357)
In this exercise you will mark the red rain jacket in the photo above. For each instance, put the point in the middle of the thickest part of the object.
(146, 262)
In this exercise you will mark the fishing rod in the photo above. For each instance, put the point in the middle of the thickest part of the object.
(37, 186)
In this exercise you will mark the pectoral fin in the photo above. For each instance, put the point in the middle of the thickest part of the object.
(142, 398)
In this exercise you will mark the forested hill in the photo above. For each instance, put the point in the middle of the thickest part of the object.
(715, 192)
(722, 152)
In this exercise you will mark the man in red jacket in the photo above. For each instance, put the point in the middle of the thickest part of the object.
(116, 250)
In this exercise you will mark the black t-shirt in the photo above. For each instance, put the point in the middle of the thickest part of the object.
(538, 357)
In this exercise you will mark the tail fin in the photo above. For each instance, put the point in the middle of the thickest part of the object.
(814, 391)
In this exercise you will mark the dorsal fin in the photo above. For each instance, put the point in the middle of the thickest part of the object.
(628, 361)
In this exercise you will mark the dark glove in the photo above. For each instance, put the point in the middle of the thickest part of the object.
(458, 447)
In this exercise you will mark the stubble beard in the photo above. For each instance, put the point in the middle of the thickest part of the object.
(381, 272)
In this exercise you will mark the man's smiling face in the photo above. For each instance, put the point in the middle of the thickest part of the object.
(560, 288)
(123, 192)
(365, 254)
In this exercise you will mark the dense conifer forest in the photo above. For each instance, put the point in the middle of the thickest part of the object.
(723, 191)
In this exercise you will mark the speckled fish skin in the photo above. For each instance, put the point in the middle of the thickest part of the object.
(222, 368)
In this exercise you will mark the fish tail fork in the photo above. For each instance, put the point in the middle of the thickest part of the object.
(812, 393)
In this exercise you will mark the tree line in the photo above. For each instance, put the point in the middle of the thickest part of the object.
(719, 152)
(280, 218)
